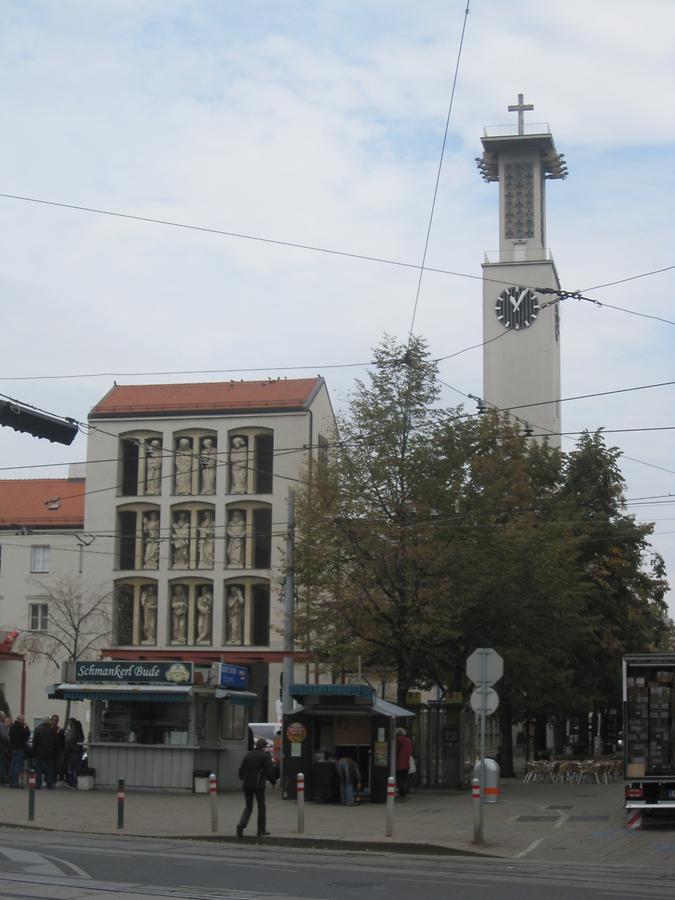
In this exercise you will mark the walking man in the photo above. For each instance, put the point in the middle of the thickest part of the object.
(256, 768)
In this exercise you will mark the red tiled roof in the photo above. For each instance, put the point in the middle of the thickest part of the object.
(207, 397)
(43, 502)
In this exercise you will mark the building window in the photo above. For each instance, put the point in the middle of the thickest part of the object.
(251, 461)
(191, 613)
(247, 614)
(233, 721)
(135, 614)
(193, 537)
(38, 616)
(141, 461)
(195, 463)
(248, 543)
(39, 559)
(139, 538)
(322, 453)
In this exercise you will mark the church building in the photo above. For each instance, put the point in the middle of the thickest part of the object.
(521, 318)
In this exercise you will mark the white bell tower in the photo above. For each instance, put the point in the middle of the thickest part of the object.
(521, 356)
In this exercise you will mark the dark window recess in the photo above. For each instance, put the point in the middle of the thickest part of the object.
(264, 463)
(127, 523)
(262, 537)
(322, 452)
(260, 630)
(124, 617)
(129, 468)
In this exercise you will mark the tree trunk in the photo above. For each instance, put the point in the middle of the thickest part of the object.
(505, 753)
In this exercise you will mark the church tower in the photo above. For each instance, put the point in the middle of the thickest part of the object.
(521, 356)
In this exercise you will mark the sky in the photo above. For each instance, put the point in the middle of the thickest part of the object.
(321, 123)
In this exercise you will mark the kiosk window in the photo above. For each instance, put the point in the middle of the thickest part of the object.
(233, 722)
(143, 723)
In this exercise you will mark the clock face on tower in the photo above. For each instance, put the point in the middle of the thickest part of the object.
(517, 308)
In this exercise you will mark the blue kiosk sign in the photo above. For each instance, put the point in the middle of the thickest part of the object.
(232, 676)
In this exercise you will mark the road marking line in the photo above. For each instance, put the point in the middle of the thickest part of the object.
(528, 849)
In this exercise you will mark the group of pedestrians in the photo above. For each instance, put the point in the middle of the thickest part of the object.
(54, 753)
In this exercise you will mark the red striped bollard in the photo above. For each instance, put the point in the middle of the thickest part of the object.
(475, 802)
(120, 803)
(391, 793)
(31, 795)
(300, 790)
(213, 794)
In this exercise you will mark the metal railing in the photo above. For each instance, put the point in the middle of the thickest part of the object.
(518, 254)
(510, 130)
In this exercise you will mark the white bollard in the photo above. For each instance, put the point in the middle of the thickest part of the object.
(391, 793)
(475, 802)
(300, 790)
(213, 794)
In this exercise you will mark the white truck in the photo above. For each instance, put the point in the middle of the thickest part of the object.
(649, 732)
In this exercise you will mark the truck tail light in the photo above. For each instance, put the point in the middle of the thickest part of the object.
(635, 793)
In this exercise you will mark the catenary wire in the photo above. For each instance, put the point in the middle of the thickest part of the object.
(438, 173)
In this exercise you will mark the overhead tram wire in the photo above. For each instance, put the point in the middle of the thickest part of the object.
(294, 245)
(438, 172)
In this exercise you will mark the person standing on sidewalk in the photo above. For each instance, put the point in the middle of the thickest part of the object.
(404, 751)
(45, 752)
(19, 733)
(5, 722)
(256, 768)
(349, 775)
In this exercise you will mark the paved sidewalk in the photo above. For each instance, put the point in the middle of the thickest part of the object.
(544, 822)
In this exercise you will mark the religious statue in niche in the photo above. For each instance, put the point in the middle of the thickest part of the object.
(153, 467)
(151, 540)
(204, 612)
(183, 458)
(236, 540)
(208, 459)
(206, 540)
(180, 541)
(149, 615)
(179, 608)
(238, 465)
(234, 615)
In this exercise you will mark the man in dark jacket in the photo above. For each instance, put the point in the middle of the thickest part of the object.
(45, 753)
(256, 768)
(18, 741)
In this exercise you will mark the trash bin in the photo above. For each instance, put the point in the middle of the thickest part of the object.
(200, 778)
(491, 788)
(85, 779)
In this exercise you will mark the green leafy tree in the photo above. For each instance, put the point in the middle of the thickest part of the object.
(367, 556)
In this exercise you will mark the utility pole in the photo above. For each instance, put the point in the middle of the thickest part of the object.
(289, 602)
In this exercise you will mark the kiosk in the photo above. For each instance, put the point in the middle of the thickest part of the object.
(161, 724)
(335, 720)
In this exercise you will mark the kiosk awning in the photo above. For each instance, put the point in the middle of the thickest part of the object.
(342, 696)
(166, 693)
(240, 698)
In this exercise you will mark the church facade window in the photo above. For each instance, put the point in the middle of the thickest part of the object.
(196, 463)
(251, 461)
(248, 535)
(190, 619)
(138, 536)
(141, 456)
(247, 613)
(135, 611)
(193, 536)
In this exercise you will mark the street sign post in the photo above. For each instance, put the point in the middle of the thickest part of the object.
(484, 699)
(484, 667)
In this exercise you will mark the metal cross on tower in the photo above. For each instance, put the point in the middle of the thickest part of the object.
(520, 108)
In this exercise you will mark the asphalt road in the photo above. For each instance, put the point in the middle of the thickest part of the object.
(55, 866)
